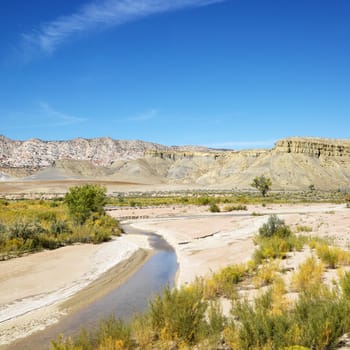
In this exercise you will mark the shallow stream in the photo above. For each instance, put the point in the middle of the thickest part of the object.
(126, 300)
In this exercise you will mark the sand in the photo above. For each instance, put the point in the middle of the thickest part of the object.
(206, 242)
(37, 289)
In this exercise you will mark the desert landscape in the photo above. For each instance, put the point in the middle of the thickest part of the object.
(204, 243)
(44, 287)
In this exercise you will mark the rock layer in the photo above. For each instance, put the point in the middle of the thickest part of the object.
(293, 164)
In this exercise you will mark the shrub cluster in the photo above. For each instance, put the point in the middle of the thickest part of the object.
(28, 226)
(178, 318)
(191, 317)
(314, 321)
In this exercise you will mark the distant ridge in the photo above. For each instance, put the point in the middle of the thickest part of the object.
(293, 163)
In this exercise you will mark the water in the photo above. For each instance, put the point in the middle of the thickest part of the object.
(123, 302)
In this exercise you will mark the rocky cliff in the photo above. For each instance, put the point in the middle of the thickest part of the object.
(293, 164)
(315, 147)
(35, 153)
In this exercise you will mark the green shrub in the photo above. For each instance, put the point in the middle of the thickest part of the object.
(204, 200)
(117, 331)
(332, 257)
(179, 314)
(321, 320)
(314, 322)
(216, 321)
(58, 227)
(224, 282)
(214, 208)
(82, 201)
(235, 207)
(345, 284)
(274, 227)
(303, 228)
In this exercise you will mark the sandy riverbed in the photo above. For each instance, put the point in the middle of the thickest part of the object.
(37, 289)
(40, 288)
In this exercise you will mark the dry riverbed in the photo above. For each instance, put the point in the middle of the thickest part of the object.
(37, 289)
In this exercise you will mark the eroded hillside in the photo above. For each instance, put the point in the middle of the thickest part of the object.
(293, 164)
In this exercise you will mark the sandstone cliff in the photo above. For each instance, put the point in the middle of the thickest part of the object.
(293, 164)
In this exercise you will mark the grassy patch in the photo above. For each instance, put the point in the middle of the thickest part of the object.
(29, 226)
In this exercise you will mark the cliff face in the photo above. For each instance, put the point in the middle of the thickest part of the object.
(35, 153)
(293, 164)
(314, 147)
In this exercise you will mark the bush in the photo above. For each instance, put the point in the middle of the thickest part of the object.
(314, 322)
(309, 276)
(179, 315)
(332, 257)
(274, 227)
(265, 275)
(214, 208)
(321, 320)
(276, 247)
(224, 282)
(345, 284)
(82, 201)
(235, 207)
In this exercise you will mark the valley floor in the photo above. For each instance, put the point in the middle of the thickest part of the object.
(34, 287)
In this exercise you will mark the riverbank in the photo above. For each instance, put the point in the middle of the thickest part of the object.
(43, 287)
(205, 242)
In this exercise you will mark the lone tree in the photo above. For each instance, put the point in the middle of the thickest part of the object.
(82, 201)
(262, 183)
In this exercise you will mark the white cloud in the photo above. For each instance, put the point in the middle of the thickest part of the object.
(144, 116)
(99, 15)
(243, 144)
(150, 114)
(57, 118)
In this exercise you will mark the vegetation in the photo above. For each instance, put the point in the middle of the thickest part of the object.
(29, 226)
(222, 197)
(191, 317)
(262, 183)
(83, 201)
(235, 207)
(178, 316)
(275, 227)
(213, 208)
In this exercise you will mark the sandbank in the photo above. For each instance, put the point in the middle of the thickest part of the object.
(39, 289)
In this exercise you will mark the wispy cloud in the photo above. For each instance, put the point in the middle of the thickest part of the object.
(242, 144)
(99, 15)
(56, 118)
(147, 115)
(141, 117)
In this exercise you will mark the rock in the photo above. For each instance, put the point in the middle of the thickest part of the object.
(293, 164)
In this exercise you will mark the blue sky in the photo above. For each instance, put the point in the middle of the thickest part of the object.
(221, 73)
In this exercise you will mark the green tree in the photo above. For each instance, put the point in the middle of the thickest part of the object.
(262, 183)
(82, 201)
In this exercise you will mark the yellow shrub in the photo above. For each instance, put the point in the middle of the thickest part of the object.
(309, 275)
(265, 274)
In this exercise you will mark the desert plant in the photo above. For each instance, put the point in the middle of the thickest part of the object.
(308, 278)
(332, 257)
(224, 281)
(345, 284)
(274, 227)
(235, 207)
(179, 314)
(262, 183)
(213, 208)
(265, 274)
(82, 201)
